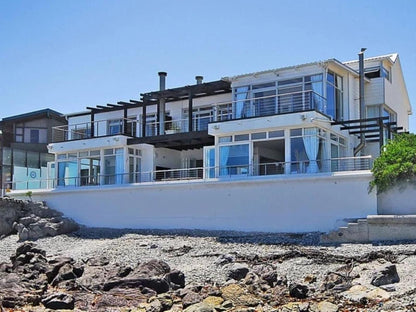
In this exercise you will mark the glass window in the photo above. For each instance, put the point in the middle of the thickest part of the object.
(264, 85)
(276, 134)
(334, 96)
(225, 139)
(289, 81)
(33, 160)
(7, 156)
(114, 126)
(258, 135)
(242, 105)
(241, 137)
(296, 132)
(210, 162)
(234, 159)
(108, 151)
(373, 111)
(19, 158)
(114, 167)
(386, 73)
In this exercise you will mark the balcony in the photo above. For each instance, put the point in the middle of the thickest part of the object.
(283, 169)
(240, 109)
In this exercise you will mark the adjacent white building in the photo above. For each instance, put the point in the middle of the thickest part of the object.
(276, 150)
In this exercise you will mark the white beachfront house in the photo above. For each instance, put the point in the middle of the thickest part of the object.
(287, 149)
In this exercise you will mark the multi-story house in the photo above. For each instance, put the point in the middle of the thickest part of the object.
(24, 153)
(254, 135)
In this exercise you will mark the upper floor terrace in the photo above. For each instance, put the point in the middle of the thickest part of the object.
(242, 107)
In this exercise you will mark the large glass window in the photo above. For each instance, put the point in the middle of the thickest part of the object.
(209, 165)
(307, 148)
(334, 96)
(89, 170)
(113, 166)
(242, 102)
(234, 159)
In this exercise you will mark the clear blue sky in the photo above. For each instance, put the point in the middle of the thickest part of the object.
(66, 55)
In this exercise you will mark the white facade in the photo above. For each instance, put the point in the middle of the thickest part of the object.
(283, 136)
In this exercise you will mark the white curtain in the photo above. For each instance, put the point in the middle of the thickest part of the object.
(311, 142)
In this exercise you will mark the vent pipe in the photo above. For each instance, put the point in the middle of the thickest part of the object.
(162, 80)
(162, 101)
(199, 79)
(361, 145)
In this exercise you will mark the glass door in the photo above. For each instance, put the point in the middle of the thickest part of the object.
(134, 169)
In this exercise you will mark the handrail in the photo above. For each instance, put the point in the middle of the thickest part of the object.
(297, 101)
(208, 173)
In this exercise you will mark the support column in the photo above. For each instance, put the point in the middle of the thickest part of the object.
(288, 157)
(92, 125)
(124, 124)
(162, 103)
(144, 120)
(190, 112)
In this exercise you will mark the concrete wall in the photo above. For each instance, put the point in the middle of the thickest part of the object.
(279, 204)
(399, 200)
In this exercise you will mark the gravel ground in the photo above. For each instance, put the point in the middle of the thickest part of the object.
(194, 252)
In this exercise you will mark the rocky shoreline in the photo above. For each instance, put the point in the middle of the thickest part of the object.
(151, 270)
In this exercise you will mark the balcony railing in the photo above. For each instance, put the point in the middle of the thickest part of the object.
(239, 109)
(98, 128)
(222, 172)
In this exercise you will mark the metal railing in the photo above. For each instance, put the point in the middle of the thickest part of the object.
(218, 172)
(221, 111)
(97, 128)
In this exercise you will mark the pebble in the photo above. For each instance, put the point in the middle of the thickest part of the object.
(198, 263)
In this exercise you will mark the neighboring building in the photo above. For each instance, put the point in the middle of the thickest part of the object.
(24, 153)
(231, 141)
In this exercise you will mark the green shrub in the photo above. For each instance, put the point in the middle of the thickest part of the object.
(396, 164)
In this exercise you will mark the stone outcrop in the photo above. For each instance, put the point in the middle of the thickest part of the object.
(32, 279)
(62, 283)
(32, 220)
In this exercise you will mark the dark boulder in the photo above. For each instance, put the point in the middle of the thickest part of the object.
(237, 271)
(298, 291)
(385, 276)
(59, 301)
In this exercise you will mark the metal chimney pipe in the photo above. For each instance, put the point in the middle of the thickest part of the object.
(162, 101)
(162, 80)
(199, 79)
(361, 145)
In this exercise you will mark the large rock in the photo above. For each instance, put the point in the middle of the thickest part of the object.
(59, 301)
(385, 276)
(32, 220)
(237, 271)
(8, 215)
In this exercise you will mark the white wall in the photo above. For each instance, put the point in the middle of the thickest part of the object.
(397, 97)
(374, 91)
(278, 204)
(167, 158)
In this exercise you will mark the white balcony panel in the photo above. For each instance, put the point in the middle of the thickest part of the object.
(88, 144)
(301, 119)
